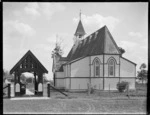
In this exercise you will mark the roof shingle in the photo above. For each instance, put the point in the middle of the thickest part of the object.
(99, 42)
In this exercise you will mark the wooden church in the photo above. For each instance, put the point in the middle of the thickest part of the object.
(95, 59)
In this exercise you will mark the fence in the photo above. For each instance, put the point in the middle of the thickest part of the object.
(49, 88)
(8, 90)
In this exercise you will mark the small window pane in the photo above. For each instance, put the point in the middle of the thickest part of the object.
(97, 70)
(111, 67)
(111, 70)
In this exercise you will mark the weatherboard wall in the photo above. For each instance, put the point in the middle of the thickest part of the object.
(80, 68)
(127, 69)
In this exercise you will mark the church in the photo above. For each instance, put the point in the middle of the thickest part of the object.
(95, 59)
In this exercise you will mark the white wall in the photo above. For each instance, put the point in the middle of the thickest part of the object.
(97, 56)
(112, 82)
(60, 83)
(116, 57)
(98, 82)
(127, 69)
(80, 68)
(79, 83)
(60, 74)
(67, 83)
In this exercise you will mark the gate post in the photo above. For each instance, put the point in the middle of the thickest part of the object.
(48, 90)
(9, 91)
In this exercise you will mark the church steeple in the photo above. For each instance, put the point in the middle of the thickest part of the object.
(80, 30)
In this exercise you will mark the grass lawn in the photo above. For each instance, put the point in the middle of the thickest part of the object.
(98, 102)
(76, 106)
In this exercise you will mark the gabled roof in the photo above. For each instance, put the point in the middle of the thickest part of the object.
(99, 42)
(80, 30)
(29, 53)
(128, 60)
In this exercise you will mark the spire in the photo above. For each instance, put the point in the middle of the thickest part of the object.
(80, 30)
(80, 14)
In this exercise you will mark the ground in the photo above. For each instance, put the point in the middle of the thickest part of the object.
(99, 102)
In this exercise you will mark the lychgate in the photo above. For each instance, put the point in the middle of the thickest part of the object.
(28, 63)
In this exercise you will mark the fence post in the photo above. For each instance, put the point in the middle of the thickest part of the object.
(48, 90)
(9, 91)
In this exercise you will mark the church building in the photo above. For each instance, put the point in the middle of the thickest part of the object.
(95, 59)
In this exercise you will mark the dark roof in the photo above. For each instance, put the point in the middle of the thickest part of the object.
(80, 29)
(63, 59)
(99, 42)
(29, 53)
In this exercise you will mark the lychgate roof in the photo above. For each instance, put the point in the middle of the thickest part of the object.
(30, 59)
(99, 42)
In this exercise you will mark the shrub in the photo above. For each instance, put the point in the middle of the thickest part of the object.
(121, 86)
(93, 89)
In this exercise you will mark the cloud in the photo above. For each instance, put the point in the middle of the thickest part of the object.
(17, 29)
(32, 9)
(48, 9)
(135, 34)
(96, 21)
(127, 45)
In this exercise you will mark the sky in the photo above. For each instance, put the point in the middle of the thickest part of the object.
(36, 27)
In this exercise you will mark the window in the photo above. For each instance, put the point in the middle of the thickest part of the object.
(111, 68)
(96, 68)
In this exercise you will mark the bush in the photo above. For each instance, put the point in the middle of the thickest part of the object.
(121, 86)
(93, 89)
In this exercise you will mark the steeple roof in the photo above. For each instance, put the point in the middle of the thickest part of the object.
(80, 30)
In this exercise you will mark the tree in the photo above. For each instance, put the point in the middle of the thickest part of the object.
(6, 75)
(58, 50)
(121, 50)
(142, 74)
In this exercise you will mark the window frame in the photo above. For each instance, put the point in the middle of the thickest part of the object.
(96, 64)
(111, 66)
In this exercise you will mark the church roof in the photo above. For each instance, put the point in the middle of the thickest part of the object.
(99, 42)
(80, 29)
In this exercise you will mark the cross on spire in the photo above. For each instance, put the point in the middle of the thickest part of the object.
(80, 14)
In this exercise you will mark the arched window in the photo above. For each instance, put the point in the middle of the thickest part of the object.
(111, 67)
(96, 68)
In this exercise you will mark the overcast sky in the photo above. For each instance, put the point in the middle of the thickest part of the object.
(34, 26)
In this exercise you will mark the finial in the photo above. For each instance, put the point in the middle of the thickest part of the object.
(80, 14)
